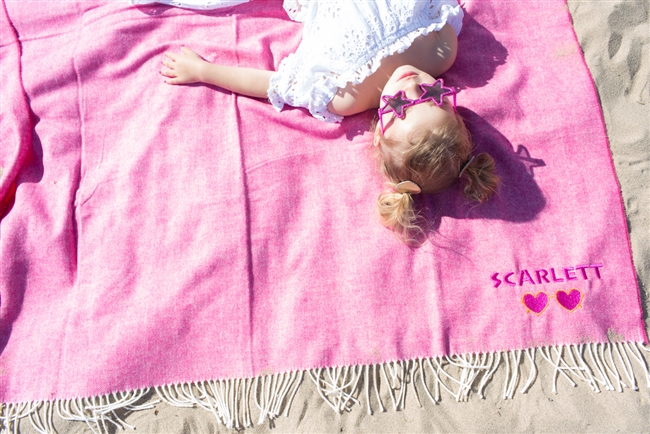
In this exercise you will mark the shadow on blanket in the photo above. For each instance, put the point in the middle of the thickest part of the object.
(479, 56)
(519, 198)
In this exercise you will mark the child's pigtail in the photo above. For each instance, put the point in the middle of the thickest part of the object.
(480, 178)
(397, 213)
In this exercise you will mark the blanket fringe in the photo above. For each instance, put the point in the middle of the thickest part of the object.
(97, 412)
(609, 366)
(229, 400)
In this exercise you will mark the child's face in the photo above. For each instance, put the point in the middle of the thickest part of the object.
(408, 78)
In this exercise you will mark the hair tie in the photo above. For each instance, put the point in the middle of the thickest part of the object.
(408, 187)
(466, 165)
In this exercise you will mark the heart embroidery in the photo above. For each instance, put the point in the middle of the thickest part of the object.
(570, 301)
(535, 303)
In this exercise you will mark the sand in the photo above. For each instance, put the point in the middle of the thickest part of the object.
(615, 38)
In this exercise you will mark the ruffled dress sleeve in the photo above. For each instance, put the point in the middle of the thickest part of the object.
(296, 9)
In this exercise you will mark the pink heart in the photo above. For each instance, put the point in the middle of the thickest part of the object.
(570, 301)
(535, 303)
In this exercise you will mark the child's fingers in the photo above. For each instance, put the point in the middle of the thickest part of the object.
(186, 50)
(172, 56)
(168, 63)
(167, 73)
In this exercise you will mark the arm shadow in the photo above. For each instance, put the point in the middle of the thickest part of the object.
(479, 56)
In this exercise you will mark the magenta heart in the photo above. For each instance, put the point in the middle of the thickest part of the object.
(535, 303)
(570, 301)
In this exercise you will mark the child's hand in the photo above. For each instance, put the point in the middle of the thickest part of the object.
(183, 68)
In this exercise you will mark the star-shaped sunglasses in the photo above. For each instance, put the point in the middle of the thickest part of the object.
(398, 103)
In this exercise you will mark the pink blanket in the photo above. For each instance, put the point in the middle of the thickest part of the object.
(165, 234)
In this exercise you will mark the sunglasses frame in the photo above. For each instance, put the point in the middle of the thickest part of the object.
(399, 102)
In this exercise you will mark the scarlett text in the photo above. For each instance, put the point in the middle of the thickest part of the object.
(548, 275)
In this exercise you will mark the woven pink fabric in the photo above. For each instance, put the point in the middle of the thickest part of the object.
(167, 234)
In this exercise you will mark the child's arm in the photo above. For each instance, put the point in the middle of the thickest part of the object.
(188, 67)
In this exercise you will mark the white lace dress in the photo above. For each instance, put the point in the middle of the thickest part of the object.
(344, 41)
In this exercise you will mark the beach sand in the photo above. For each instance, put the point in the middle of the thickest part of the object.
(615, 38)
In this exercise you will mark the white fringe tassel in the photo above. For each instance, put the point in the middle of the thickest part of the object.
(337, 386)
(610, 366)
(98, 413)
(229, 400)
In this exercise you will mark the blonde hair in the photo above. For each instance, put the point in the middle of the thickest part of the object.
(433, 159)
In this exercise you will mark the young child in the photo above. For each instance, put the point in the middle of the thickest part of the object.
(380, 54)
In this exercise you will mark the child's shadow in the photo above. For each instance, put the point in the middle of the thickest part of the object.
(519, 198)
